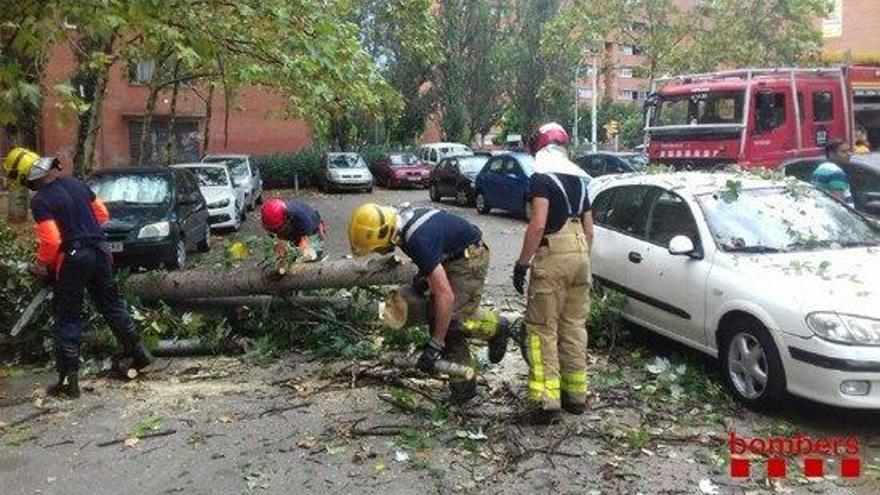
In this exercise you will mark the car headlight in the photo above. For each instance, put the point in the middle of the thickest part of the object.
(154, 230)
(223, 203)
(846, 329)
(333, 174)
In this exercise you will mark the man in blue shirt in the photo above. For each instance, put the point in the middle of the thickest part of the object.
(453, 260)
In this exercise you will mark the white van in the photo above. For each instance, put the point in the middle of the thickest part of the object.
(431, 154)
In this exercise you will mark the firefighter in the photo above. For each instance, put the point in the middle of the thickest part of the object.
(829, 176)
(453, 262)
(295, 222)
(556, 248)
(73, 252)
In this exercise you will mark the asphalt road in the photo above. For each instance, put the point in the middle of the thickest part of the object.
(503, 233)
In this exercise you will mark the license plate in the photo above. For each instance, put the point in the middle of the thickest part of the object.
(415, 179)
(115, 247)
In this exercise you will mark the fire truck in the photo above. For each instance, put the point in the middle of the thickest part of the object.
(760, 117)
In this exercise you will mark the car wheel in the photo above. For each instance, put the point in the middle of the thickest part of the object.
(462, 198)
(205, 244)
(237, 225)
(434, 193)
(178, 259)
(243, 214)
(480, 203)
(751, 364)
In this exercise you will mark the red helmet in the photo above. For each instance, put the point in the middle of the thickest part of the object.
(272, 214)
(547, 134)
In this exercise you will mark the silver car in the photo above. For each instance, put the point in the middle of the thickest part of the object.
(245, 176)
(346, 171)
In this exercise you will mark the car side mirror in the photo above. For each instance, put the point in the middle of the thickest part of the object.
(681, 245)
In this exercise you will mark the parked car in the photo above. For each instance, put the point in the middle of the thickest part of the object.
(503, 183)
(431, 154)
(454, 177)
(597, 164)
(157, 215)
(863, 172)
(776, 283)
(245, 176)
(345, 171)
(400, 169)
(226, 204)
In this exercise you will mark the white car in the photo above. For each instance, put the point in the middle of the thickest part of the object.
(777, 280)
(245, 176)
(345, 171)
(226, 204)
(431, 154)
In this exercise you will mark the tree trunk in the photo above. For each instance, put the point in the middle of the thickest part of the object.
(147, 123)
(404, 308)
(87, 155)
(191, 284)
(171, 143)
(209, 107)
(261, 303)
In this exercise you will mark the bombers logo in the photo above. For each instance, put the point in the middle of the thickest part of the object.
(776, 450)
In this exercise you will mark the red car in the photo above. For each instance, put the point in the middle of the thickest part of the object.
(400, 170)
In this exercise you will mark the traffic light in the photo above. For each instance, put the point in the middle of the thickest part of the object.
(611, 128)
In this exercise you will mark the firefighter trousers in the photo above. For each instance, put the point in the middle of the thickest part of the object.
(87, 267)
(556, 316)
(467, 276)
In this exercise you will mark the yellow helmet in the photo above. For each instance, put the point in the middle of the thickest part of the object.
(371, 228)
(18, 163)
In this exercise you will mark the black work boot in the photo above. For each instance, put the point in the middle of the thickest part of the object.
(572, 407)
(68, 385)
(498, 342)
(140, 356)
(540, 417)
(461, 392)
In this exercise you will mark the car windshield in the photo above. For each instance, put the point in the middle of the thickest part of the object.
(700, 108)
(636, 162)
(403, 160)
(132, 188)
(472, 164)
(345, 161)
(778, 219)
(210, 176)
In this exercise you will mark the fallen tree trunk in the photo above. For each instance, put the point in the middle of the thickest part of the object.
(403, 308)
(193, 284)
(261, 303)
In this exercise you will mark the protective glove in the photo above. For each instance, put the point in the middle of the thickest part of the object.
(519, 277)
(430, 355)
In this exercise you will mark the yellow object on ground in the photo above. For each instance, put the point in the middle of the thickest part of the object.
(238, 251)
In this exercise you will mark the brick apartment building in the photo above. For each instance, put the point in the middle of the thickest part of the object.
(255, 125)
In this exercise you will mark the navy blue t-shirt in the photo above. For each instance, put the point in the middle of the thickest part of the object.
(443, 234)
(68, 201)
(542, 186)
(300, 220)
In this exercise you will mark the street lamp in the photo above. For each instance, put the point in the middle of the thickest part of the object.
(593, 98)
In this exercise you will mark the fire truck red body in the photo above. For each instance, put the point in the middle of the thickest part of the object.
(760, 117)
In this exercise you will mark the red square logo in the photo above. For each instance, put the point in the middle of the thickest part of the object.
(739, 468)
(813, 468)
(850, 468)
(776, 468)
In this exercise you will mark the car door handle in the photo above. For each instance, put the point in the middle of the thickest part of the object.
(635, 257)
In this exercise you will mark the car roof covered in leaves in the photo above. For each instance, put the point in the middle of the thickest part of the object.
(693, 183)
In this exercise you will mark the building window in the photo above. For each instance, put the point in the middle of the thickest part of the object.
(186, 141)
(629, 49)
(631, 95)
(625, 72)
